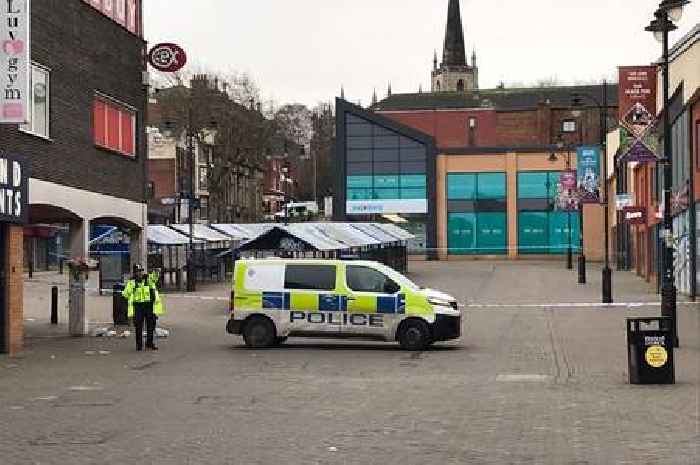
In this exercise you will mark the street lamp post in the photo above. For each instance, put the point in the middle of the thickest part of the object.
(191, 273)
(603, 112)
(668, 12)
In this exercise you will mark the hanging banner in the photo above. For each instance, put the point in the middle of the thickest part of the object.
(15, 62)
(567, 194)
(588, 161)
(637, 113)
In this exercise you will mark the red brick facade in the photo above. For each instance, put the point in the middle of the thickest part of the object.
(500, 128)
(162, 173)
(452, 128)
(14, 285)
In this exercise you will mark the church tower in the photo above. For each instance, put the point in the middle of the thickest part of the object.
(454, 73)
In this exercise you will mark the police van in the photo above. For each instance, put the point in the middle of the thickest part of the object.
(274, 299)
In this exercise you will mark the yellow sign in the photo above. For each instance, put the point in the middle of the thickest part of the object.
(656, 356)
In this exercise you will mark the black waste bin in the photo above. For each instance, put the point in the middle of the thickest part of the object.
(650, 350)
(119, 306)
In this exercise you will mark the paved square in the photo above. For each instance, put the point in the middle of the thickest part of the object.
(527, 384)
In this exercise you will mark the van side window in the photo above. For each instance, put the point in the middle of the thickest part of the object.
(310, 277)
(363, 279)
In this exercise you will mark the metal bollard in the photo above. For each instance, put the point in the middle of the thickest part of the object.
(54, 305)
(60, 266)
(31, 269)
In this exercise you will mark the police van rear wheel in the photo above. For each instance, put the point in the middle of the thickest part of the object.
(414, 335)
(259, 333)
(281, 340)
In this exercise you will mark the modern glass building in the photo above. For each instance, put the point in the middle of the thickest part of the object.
(384, 171)
(477, 222)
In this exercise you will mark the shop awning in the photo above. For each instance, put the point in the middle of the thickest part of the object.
(163, 235)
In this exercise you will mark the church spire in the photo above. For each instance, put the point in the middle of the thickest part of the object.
(454, 53)
(374, 97)
(388, 91)
(342, 92)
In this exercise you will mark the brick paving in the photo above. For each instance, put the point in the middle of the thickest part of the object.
(525, 385)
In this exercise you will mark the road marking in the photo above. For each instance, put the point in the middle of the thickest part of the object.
(573, 305)
(525, 378)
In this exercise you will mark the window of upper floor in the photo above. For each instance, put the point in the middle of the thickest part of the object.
(39, 102)
(114, 126)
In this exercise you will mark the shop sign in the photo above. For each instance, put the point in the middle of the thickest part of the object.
(381, 207)
(623, 201)
(15, 62)
(588, 160)
(635, 215)
(167, 58)
(14, 181)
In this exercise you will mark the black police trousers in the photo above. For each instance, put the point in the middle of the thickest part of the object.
(144, 312)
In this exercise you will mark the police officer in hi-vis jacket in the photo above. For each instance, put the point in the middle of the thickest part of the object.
(145, 304)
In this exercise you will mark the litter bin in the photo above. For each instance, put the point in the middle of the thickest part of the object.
(119, 306)
(650, 350)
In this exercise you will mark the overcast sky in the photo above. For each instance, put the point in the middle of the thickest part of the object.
(304, 50)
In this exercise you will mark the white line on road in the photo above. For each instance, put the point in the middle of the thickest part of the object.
(572, 305)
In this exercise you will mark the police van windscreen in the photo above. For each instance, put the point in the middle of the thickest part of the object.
(398, 277)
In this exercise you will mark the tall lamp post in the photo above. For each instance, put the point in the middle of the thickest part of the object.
(662, 24)
(603, 112)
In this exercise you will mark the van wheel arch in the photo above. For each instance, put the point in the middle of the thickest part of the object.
(419, 324)
(262, 341)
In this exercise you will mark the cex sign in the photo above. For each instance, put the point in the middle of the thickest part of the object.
(15, 61)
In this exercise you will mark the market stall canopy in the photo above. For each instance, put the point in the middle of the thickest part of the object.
(396, 231)
(244, 231)
(204, 233)
(298, 237)
(372, 230)
(163, 235)
(344, 233)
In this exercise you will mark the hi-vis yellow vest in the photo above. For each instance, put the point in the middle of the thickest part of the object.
(139, 293)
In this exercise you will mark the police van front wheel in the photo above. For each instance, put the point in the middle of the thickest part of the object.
(259, 333)
(414, 335)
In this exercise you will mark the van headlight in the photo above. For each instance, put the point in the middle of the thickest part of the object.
(439, 302)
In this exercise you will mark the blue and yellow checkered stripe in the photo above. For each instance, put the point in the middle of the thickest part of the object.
(389, 305)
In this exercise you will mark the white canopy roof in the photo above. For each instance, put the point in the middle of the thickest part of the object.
(203, 232)
(163, 235)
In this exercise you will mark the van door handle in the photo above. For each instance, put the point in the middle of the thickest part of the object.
(351, 298)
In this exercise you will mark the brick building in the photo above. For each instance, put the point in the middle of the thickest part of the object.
(84, 145)
(472, 170)
(228, 141)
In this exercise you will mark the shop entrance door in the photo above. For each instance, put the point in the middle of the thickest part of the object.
(3, 297)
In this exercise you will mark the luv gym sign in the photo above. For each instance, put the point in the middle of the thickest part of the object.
(14, 180)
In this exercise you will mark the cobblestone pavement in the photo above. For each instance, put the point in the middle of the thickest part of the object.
(525, 385)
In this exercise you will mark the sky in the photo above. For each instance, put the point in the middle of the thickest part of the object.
(303, 51)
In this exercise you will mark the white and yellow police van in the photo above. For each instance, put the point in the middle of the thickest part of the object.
(273, 299)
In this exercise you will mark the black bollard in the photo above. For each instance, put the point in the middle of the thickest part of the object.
(60, 266)
(31, 269)
(54, 305)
